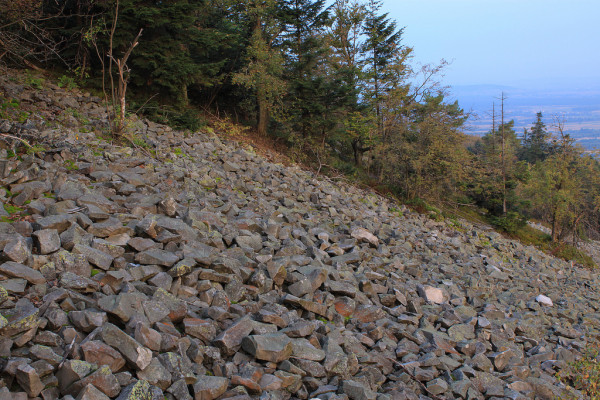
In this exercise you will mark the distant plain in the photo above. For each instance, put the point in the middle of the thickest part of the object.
(577, 107)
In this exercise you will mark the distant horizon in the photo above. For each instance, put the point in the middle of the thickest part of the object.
(504, 42)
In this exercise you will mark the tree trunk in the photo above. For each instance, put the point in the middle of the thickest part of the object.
(357, 152)
(554, 226)
(263, 113)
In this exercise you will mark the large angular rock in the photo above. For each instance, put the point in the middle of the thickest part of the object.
(231, 338)
(210, 387)
(99, 353)
(23, 317)
(157, 257)
(141, 390)
(94, 256)
(358, 391)
(111, 226)
(135, 354)
(123, 305)
(202, 329)
(156, 374)
(274, 347)
(16, 250)
(363, 235)
(17, 270)
(29, 380)
(46, 240)
(432, 294)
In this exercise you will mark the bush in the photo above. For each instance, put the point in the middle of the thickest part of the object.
(186, 119)
(511, 222)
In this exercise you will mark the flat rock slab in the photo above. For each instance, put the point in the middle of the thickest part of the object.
(16, 270)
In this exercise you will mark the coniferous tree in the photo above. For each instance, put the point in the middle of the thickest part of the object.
(316, 93)
(535, 143)
(176, 51)
(381, 45)
(264, 70)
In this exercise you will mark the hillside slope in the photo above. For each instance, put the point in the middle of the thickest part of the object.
(214, 273)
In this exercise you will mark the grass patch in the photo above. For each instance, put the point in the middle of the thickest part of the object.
(531, 236)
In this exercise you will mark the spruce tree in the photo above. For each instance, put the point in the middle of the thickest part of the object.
(381, 45)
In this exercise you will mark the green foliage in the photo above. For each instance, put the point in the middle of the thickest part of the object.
(33, 81)
(10, 103)
(36, 149)
(94, 272)
(186, 119)
(535, 143)
(12, 209)
(139, 141)
(572, 253)
(70, 165)
(22, 117)
(584, 374)
(511, 222)
(67, 82)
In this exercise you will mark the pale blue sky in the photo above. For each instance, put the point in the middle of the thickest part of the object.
(506, 42)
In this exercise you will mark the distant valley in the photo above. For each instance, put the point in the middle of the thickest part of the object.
(579, 107)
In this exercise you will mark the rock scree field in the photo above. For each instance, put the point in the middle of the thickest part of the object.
(189, 267)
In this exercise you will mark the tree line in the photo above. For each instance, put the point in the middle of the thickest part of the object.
(336, 84)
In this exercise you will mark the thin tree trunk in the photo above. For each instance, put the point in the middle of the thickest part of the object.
(263, 114)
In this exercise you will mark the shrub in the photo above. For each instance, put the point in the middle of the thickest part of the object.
(511, 222)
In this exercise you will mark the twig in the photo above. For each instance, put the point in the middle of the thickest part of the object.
(6, 135)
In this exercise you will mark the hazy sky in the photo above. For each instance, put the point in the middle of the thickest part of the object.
(507, 42)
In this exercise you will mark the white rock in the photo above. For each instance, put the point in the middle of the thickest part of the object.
(545, 300)
(361, 234)
(431, 294)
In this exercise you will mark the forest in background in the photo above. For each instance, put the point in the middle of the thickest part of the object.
(335, 84)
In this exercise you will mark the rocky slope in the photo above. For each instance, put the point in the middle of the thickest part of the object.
(217, 274)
